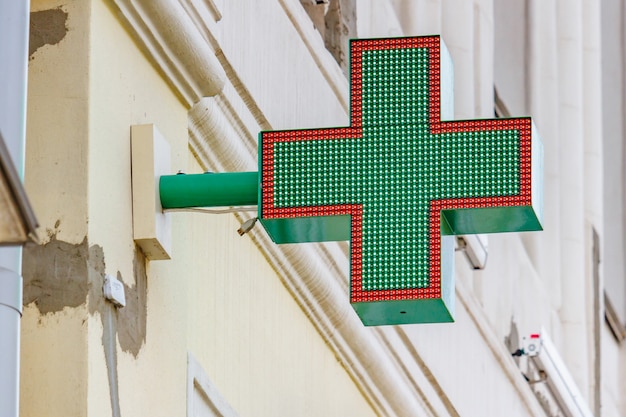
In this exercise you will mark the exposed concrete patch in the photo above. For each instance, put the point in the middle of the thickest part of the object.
(47, 27)
(55, 275)
(129, 322)
(131, 330)
(61, 274)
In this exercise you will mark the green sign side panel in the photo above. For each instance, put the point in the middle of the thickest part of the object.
(489, 220)
(309, 229)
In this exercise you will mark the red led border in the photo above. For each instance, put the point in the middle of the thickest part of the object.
(358, 295)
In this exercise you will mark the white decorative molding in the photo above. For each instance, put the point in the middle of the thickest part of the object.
(176, 46)
(206, 9)
(203, 398)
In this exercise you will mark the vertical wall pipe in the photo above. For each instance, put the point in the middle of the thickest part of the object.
(484, 45)
(572, 219)
(458, 34)
(543, 103)
(613, 16)
(592, 105)
(14, 26)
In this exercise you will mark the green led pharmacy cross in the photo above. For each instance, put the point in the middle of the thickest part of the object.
(400, 180)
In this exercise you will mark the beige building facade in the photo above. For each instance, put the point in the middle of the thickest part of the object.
(239, 326)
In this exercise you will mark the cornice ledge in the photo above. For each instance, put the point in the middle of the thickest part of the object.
(312, 274)
(177, 48)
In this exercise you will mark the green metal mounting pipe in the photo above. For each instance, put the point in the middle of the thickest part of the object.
(209, 190)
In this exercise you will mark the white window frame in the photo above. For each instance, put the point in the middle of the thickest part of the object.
(200, 388)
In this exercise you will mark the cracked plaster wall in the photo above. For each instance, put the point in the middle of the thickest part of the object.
(66, 316)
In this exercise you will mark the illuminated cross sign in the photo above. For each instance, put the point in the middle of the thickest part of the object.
(398, 178)
(396, 183)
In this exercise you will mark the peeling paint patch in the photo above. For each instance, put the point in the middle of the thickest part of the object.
(96, 271)
(129, 322)
(55, 275)
(47, 27)
(61, 274)
(131, 330)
